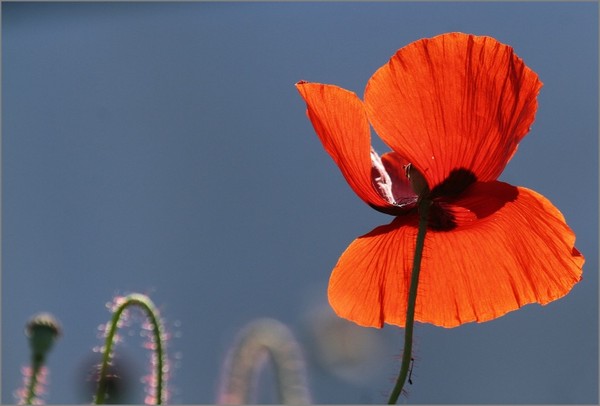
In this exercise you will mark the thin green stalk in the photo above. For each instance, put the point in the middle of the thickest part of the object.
(424, 206)
(36, 366)
(151, 311)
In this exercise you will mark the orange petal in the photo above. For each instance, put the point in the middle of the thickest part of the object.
(453, 101)
(518, 250)
(340, 121)
(369, 285)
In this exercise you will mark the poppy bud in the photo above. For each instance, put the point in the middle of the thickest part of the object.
(42, 330)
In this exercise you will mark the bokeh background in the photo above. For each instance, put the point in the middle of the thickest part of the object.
(162, 148)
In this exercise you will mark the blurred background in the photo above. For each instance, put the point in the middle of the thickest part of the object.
(162, 148)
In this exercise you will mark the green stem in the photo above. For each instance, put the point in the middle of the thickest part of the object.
(151, 311)
(424, 205)
(36, 367)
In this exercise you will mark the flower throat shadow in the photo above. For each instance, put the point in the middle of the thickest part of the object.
(460, 200)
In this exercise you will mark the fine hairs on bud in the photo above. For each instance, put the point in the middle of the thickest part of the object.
(260, 338)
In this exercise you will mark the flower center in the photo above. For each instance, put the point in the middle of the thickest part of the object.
(402, 185)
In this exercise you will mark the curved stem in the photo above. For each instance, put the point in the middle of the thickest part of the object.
(149, 308)
(244, 362)
(424, 205)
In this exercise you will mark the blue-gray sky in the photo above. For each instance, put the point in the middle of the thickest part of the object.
(162, 148)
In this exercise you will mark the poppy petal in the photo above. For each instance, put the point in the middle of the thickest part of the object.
(369, 285)
(455, 101)
(340, 121)
(514, 249)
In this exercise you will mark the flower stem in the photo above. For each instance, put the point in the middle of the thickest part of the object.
(424, 205)
(36, 366)
(151, 311)
(246, 359)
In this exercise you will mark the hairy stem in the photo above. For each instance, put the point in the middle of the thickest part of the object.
(151, 311)
(424, 205)
(36, 367)
(246, 359)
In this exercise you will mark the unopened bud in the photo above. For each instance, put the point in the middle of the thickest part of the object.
(43, 329)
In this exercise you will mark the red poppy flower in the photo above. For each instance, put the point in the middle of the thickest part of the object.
(454, 107)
